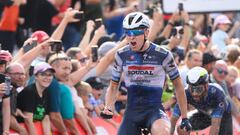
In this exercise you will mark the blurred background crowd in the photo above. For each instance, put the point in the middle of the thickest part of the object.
(46, 50)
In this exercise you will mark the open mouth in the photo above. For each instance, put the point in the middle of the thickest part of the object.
(133, 43)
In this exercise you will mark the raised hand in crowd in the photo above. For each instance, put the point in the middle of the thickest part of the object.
(28, 57)
(157, 24)
(86, 38)
(97, 35)
(69, 15)
(186, 28)
(167, 30)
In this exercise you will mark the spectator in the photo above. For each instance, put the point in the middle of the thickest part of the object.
(113, 16)
(219, 75)
(106, 75)
(193, 59)
(74, 53)
(220, 36)
(83, 91)
(18, 77)
(231, 78)
(38, 15)
(95, 101)
(8, 25)
(34, 100)
(208, 61)
(233, 52)
(62, 64)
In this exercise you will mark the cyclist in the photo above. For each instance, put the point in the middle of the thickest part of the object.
(210, 101)
(144, 66)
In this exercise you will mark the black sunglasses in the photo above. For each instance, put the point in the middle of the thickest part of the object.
(222, 71)
(197, 89)
(83, 60)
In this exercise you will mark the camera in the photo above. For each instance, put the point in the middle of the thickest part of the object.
(56, 46)
(94, 53)
(79, 15)
(8, 84)
(98, 22)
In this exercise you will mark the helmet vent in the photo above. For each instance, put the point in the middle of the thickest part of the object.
(130, 20)
(139, 19)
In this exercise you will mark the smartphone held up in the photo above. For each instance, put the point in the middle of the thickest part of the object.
(8, 84)
(56, 46)
(98, 22)
(79, 15)
(94, 53)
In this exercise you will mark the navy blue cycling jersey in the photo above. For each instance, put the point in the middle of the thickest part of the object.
(144, 73)
(214, 104)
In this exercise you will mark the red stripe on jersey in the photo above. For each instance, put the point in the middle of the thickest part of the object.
(140, 68)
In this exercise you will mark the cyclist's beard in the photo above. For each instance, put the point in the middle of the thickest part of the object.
(201, 96)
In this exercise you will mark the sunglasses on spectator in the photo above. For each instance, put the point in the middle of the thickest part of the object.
(84, 59)
(17, 74)
(222, 71)
(134, 32)
(197, 89)
(46, 74)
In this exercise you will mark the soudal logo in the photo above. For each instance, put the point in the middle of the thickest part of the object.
(140, 70)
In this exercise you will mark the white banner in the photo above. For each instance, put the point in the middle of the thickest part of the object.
(198, 6)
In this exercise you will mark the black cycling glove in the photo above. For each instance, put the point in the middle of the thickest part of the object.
(185, 124)
(106, 116)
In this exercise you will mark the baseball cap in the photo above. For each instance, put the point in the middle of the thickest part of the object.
(95, 83)
(208, 58)
(40, 35)
(5, 56)
(221, 19)
(105, 47)
(42, 67)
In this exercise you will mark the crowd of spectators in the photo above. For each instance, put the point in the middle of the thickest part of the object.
(58, 86)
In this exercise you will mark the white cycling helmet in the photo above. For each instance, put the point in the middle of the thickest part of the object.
(197, 76)
(136, 20)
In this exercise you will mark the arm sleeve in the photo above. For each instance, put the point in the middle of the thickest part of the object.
(170, 66)
(117, 68)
